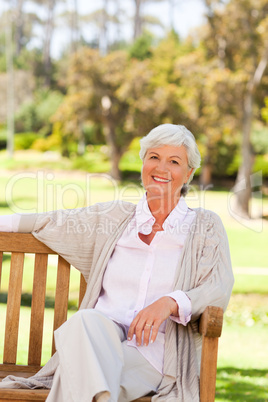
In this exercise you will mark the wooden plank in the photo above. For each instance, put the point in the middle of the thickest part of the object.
(1, 262)
(61, 296)
(37, 310)
(17, 370)
(23, 395)
(82, 289)
(13, 307)
(211, 321)
(208, 369)
(22, 243)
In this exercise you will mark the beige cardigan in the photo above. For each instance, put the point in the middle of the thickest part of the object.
(86, 238)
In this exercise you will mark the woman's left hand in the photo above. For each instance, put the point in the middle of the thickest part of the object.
(148, 320)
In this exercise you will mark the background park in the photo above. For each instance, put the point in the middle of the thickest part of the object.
(73, 110)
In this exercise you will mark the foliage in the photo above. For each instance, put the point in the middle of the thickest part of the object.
(142, 47)
(35, 115)
(112, 97)
(24, 140)
(264, 110)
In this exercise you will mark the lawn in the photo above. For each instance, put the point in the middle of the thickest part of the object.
(242, 362)
(243, 358)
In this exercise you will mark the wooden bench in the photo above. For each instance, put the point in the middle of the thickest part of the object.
(18, 244)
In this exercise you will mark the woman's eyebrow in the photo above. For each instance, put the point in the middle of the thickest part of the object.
(172, 156)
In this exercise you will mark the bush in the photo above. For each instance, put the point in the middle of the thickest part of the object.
(24, 140)
(35, 115)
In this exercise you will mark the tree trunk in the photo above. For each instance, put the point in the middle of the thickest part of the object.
(75, 32)
(103, 41)
(206, 172)
(18, 27)
(137, 19)
(242, 188)
(114, 151)
(10, 88)
(48, 37)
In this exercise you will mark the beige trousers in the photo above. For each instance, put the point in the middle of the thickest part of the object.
(95, 361)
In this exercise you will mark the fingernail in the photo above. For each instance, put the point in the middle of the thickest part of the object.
(129, 339)
(151, 341)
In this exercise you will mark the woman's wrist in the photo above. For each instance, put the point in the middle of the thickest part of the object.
(173, 306)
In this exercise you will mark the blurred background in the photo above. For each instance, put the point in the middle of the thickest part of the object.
(82, 81)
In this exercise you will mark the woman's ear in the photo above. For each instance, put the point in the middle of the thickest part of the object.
(189, 174)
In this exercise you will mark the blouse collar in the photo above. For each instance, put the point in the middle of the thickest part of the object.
(145, 219)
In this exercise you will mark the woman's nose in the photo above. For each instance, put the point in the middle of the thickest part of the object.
(163, 166)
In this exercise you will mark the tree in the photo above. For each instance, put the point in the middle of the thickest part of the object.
(240, 44)
(49, 27)
(72, 19)
(140, 20)
(93, 83)
(101, 18)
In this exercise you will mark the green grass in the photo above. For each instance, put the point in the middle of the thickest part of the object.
(24, 328)
(245, 283)
(242, 373)
(248, 248)
(241, 385)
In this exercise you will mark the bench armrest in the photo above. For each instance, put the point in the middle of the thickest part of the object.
(210, 322)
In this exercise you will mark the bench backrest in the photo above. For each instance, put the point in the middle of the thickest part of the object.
(18, 244)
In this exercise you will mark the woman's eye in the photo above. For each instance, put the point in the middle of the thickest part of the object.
(153, 157)
(175, 162)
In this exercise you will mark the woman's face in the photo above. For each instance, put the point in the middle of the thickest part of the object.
(165, 170)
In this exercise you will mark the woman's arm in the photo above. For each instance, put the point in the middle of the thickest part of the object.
(9, 223)
(215, 278)
(149, 319)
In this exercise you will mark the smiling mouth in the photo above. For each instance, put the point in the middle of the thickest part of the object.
(161, 180)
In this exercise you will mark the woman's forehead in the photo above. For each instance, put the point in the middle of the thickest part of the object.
(168, 149)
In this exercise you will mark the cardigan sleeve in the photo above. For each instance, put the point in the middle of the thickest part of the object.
(214, 276)
(69, 233)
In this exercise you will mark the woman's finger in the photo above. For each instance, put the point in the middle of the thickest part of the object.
(155, 330)
(146, 333)
(131, 329)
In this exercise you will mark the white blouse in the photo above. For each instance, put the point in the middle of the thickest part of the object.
(138, 274)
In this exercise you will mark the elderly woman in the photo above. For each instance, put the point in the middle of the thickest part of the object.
(151, 269)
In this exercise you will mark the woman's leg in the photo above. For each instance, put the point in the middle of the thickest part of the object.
(138, 377)
(95, 362)
(91, 359)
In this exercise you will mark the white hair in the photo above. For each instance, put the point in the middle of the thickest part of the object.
(174, 135)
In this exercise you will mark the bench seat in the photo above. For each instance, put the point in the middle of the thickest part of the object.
(210, 323)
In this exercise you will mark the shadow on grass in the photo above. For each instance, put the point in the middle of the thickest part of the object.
(6, 257)
(242, 385)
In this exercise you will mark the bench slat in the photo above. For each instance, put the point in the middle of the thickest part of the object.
(23, 395)
(82, 289)
(18, 370)
(61, 296)
(37, 310)
(1, 262)
(13, 307)
(22, 243)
